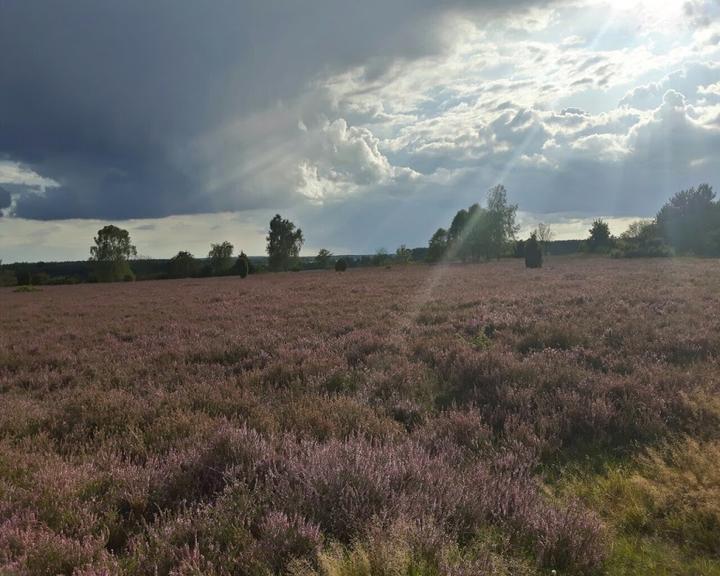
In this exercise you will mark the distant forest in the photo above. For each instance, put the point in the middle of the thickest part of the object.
(81, 271)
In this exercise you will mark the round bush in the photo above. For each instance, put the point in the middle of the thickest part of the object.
(341, 265)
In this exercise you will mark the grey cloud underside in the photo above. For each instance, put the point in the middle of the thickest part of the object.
(5, 199)
(107, 98)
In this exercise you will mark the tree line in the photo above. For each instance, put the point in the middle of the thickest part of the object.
(113, 250)
(688, 224)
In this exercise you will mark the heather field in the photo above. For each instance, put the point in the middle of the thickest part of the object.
(412, 421)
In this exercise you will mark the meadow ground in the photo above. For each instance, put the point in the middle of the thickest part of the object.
(479, 419)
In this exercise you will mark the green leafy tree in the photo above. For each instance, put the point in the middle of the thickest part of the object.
(323, 258)
(284, 242)
(112, 243)
(380, 257)
(438, 245)
(182, 265)
(636, 229)
(476, 236)
(457, 225)
(458, 233)
(641, 240)
(600, 238)
(480, 232)
(712, 241)
(500, 222)
(111, 254)
(690, 221)
(464, 237)
(403, 255)
(221, 260)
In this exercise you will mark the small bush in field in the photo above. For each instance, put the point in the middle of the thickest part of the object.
(481, 341)
(28, 288)
(340, 265)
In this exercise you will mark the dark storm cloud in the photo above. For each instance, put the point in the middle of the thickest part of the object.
(103, 97)
(5, 199)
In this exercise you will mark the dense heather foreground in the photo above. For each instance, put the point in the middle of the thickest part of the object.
(463, 420)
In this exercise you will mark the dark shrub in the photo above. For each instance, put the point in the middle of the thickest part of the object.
(243, 265)
(341, 265)
(533, 252)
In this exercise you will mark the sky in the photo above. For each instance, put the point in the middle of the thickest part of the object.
(369, 124)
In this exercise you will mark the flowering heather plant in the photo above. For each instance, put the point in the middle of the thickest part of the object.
(414, 422)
